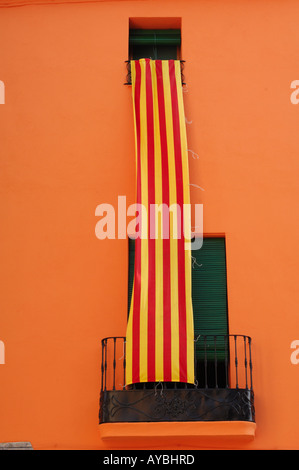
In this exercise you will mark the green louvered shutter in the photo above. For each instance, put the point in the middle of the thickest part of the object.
(209, 293)
(154, 43)
(155, 36)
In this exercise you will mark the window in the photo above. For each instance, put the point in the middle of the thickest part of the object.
(209, 298)
(154, 43)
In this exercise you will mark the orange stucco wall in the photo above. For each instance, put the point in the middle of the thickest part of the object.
(67, 145)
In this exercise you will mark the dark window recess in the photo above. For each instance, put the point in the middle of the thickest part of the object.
(131, 270)
(209, 299)
(154, 43)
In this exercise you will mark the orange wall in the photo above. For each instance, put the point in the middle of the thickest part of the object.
(67, 145)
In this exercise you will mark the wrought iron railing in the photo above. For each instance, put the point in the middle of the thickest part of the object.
(222, 388)
(220, 361)
(129, 78)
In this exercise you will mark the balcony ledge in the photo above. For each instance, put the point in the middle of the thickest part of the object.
(202, 433)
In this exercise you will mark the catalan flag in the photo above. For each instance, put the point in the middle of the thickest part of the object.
(160, 333)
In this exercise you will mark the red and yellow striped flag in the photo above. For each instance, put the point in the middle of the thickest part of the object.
(160, 333)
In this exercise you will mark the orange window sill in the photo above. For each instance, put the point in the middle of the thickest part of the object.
(190, 433)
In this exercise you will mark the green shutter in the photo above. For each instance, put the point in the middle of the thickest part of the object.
(154, 43)
(163, 37)
(209, 293)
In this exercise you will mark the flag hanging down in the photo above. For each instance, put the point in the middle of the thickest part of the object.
(160, 333)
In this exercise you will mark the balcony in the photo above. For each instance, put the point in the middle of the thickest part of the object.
(222, 389)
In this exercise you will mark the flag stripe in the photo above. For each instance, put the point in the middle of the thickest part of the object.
(151, 227)
(137, 274)
(175, 359)
(145, 229)
(159, 331)
(180, 201)
(187, 227)
(166, 243)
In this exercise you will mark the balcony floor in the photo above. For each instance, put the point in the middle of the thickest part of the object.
(207, 434)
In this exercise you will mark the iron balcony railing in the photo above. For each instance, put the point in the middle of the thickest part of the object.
(222, 388)
(220, 361)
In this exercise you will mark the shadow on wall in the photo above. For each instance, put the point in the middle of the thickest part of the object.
(16, 446)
